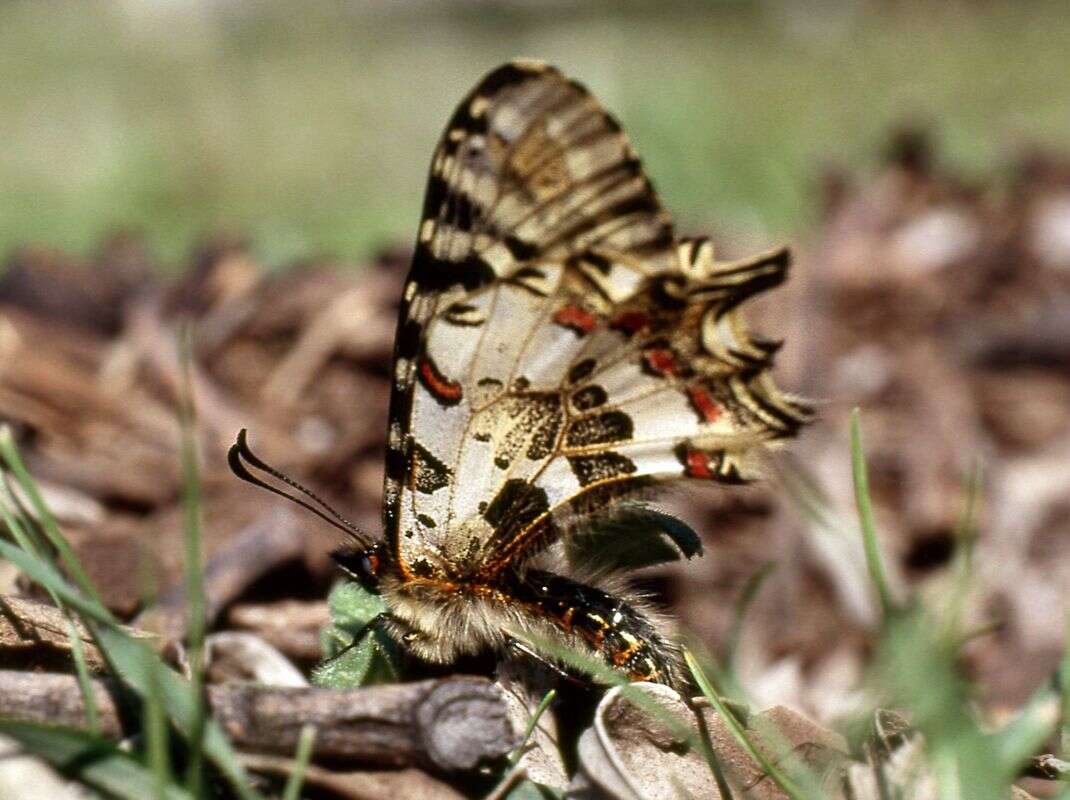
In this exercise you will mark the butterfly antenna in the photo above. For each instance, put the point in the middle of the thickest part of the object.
(240, 453)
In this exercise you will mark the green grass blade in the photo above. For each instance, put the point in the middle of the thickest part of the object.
(154, 727)
(47, 576)
(918, 669)
(132, 659)
(809, 497)
(746, 597)
(10, 511)
(191, 485)
(515, 756)
(10, 454)
(965, 540)
(790, 788)
(132, 664)
(65, 597)
(1021, 738)
(966, 525)
(1064, 685)
(95, 761)
(128, 657)
(865, 516)
(581, 662)
(292, 791)
(81, 669)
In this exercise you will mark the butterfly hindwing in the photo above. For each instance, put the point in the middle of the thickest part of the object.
(556, 341)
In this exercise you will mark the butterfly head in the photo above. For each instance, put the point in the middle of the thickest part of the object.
(366, 565)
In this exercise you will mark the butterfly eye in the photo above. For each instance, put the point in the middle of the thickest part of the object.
(370, 564)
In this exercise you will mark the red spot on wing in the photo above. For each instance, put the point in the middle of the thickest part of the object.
(707, 409)
(442, 388)
(630, 322)
(661, 361)
(576, 318)
(699, 464)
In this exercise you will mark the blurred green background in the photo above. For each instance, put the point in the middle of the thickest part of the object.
(309, 126)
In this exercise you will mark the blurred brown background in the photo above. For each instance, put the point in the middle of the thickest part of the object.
(259, 170)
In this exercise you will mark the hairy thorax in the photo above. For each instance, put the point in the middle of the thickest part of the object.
(438, 620)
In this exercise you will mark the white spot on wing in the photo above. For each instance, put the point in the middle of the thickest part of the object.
(476, 477)
(478, 106)
(453, 347)
(401, 371)
(559, 481)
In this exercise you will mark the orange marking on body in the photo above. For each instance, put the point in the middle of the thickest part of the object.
(576, 318)
(662, 361)
(441, 387)
(630, 322)
(595, 638)
(453, 587)
(698, 464)
(703, 403)
(566, 619)
(620, 658)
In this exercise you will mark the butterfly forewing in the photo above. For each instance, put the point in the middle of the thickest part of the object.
(556, 340)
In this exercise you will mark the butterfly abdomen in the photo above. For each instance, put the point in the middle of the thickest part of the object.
(624, 634)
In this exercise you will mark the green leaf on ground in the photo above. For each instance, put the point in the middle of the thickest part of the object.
(357, 651)
(530, 790)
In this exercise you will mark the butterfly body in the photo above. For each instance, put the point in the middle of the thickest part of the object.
(559, 350)
(440, 620)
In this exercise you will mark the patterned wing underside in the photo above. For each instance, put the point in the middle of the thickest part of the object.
(557, 346)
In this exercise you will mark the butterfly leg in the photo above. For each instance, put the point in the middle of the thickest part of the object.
(525, 651)
(372, 624)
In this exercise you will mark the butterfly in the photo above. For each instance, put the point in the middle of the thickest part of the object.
(559, 351)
